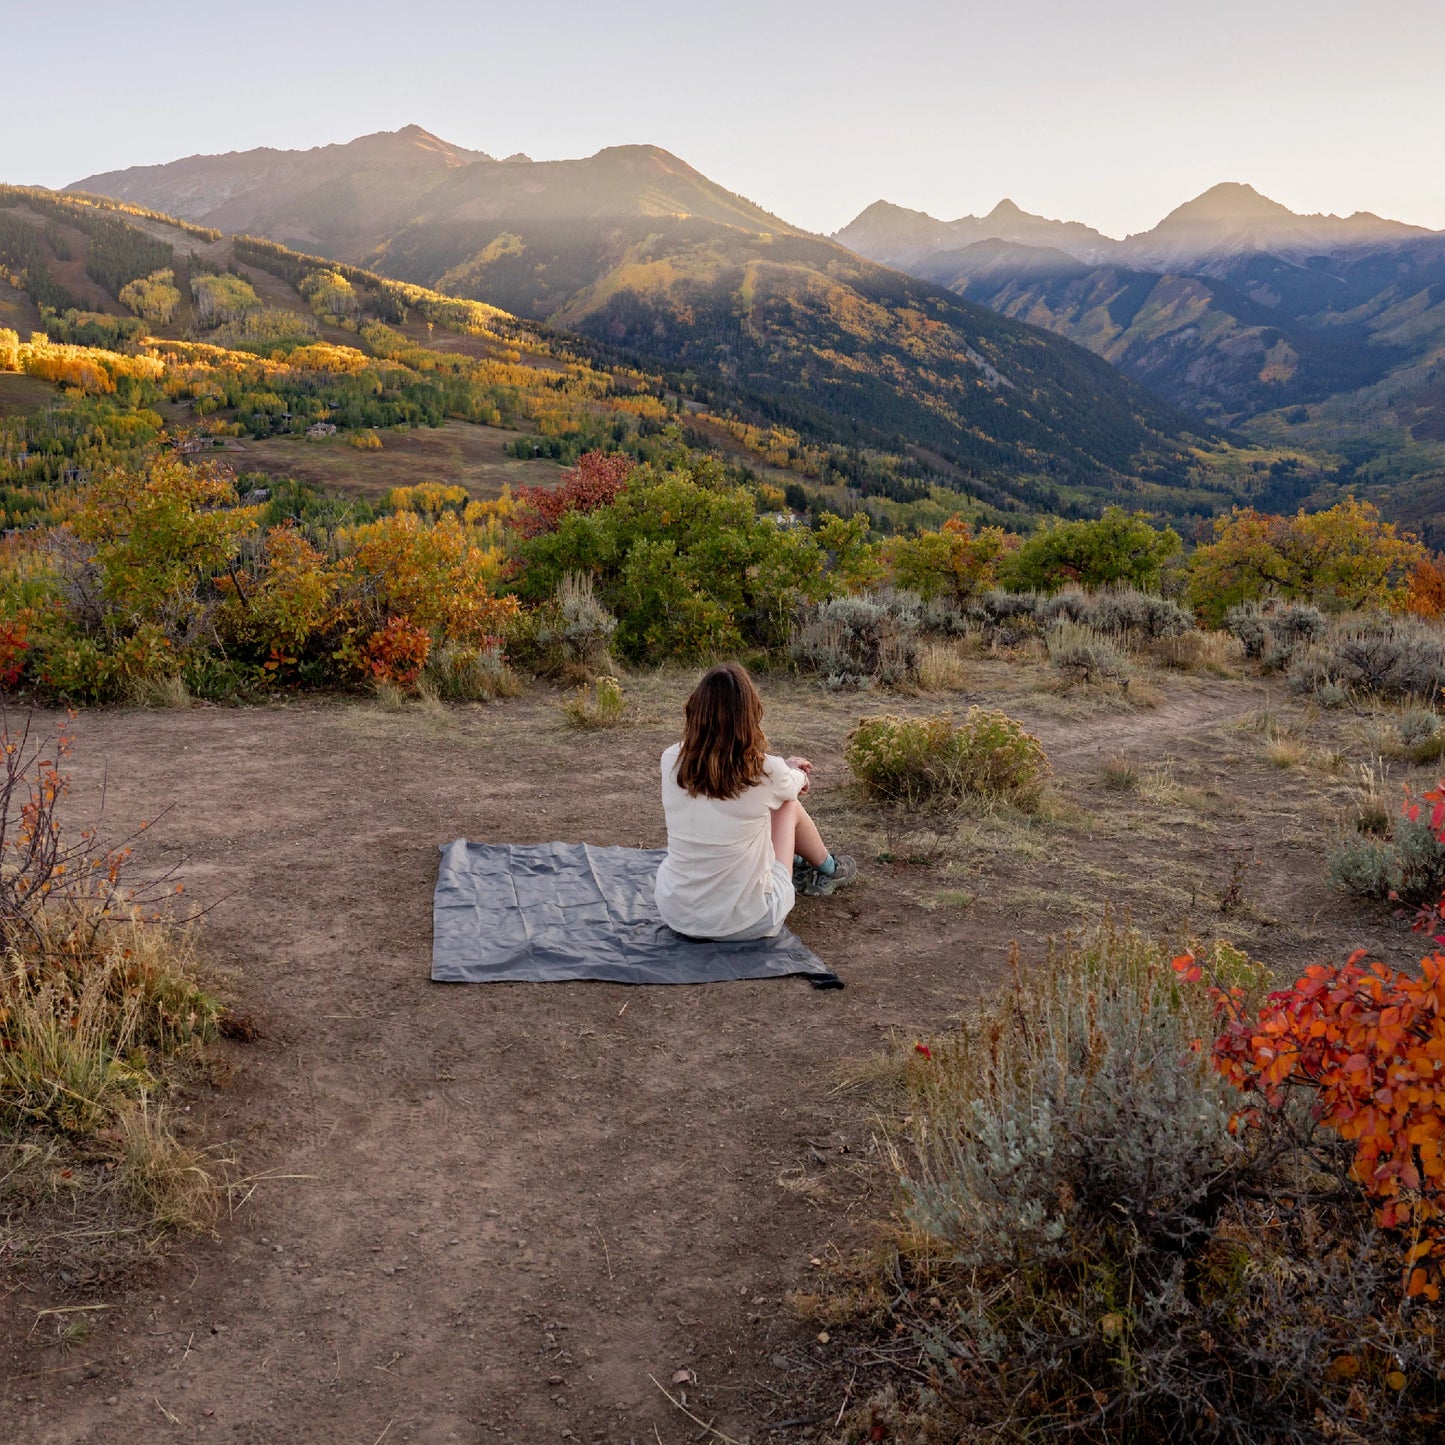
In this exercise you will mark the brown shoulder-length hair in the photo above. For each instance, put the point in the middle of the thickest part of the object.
(723, 746)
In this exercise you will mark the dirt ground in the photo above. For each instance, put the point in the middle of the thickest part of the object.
(504, 1212)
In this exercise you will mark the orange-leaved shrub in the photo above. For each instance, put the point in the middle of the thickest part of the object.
(1426, 594)
(166, 574)
(397, 652)
(1341, 559)
(1368, 1043)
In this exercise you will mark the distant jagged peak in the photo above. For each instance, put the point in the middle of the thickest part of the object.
(1229, 201)
(900, 237)
(1233, 218)
(408, 137)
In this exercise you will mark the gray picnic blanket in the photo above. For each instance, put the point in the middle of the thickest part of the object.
(547, 912)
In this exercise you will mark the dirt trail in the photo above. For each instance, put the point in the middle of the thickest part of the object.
(516, 1202)
(1190, 707)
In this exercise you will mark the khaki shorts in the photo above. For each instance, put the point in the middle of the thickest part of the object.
(780, 903)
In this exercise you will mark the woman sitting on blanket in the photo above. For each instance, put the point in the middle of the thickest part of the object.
(739, 845)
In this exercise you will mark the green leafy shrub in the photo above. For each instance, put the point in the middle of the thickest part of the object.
(684, 562)
(933, 759)
(953, 562)
(1117, 549)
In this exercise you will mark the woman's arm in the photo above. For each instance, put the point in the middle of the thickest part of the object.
(803, 766)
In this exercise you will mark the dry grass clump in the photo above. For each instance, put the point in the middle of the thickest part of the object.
(162, 692)
(173, 1184)
(1213, 654)
(1120, 775)
(458, 673)
(101, 1003)
(940, 668)
(601, 706)
(1086, 1249)
(1284, 751)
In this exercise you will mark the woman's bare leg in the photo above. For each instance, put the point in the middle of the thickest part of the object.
(794, 832)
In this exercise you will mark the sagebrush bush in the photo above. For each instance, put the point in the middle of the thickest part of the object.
(1418, 736)
(1417, 725)
(933, 759)
(1409, 864)
(1247, 623)
(567, 636)
(997, 605)
(1139, 613)
(1273, 633)
(1297, 622)
(1389, 656)
(865, 641)
(1081, 652)
(1311, 672)
(1092, 1249)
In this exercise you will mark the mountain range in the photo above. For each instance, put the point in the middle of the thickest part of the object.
(1228, 220)
(1326, 330)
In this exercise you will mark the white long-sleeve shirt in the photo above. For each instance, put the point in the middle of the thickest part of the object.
(717, 878)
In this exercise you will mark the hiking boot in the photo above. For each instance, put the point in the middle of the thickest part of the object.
(812, 883)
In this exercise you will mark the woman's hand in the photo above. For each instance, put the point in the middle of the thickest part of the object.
(804, 767)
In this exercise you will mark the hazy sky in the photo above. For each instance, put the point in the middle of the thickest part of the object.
(1110, 113)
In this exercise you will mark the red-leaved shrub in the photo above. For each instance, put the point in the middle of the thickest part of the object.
(594, 482)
